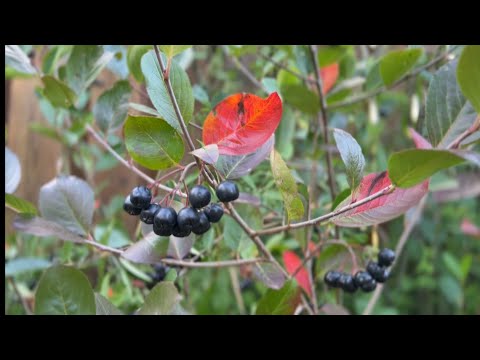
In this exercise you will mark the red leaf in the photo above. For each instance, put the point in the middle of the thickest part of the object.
(381, 209)
(468, 228)
(242, 123)
(292, 262)
(419, 140)
(329, 75)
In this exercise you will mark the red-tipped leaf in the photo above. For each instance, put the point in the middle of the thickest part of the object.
(242, 123)
(292, 263)
(329, 75)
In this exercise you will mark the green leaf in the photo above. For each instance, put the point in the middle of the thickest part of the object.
(152, 142)
(13, 171)
(453, 265)
(111, 108)
(340, 197)
(410, 167)
(161, 300)
(451, 290)
(17, 59)
(84, 65)
(68, 201)
(468, 74)
(285, 133)
(397, 63)
(280, 302)
(145, 109)
(59, 94)
(296, 94)
(105, 307)
(465, 266)
(38, 226)
(201, 95)
(134, 58)
(447, 112)
(332, 54)
(25, 264)
(269, 274)
(374, 79)
(172, 50)
(233, 235)
(171, 275)
(352, 157)
(159, 94)
(53, 56)
(150, 250)
(19, 205)
(64, 290)
(287, 186)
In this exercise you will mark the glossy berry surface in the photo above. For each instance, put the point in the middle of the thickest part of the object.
(178, 232)
(199, 196)
(203, 225)
(331, 278)
(214, 212)
(188, 218)
(386, 257)
(130, 208)
(346, 283)
(147, 215)
(141, 197)
(362, 277)
(227, 191)
(382, 275)
(164, 221)
(369, 285)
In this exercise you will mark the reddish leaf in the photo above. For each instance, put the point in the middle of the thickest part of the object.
(242, 123)
(329, 76)
(292, 262)
(381, 209)
(419, 140)
(468, 228)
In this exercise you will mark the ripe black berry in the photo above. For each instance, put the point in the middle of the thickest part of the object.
(130, 208)
(379, 273)
(362, 277)
(331, 278)
(178, 232)
(199, 196)
(203, 225)
(187, 218)
(141, 197)
(227, 191)
(386, 257)
(346, 283)
(369, 285)
(214, 212)
(147, 215)
(164, 221)
(382, 275)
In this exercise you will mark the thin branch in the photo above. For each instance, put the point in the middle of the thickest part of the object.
(179, 115)
(102, 247)
(236, 290)
(212, 264)
(456, 143)
(328, 216)
(375, 92)
(398, 250)
(323, 119)
(124, 162)
(243, 69)
(287, 69)
(24, 303)
(255, 238)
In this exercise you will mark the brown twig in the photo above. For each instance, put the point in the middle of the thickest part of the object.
(24, 303)
(243, 69)
(124, 162)
(328, 216)
(287, 69)
(475, 127)
(323, 119)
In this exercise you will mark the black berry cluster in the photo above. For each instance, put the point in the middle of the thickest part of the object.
(376, 272)
(196, 218)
